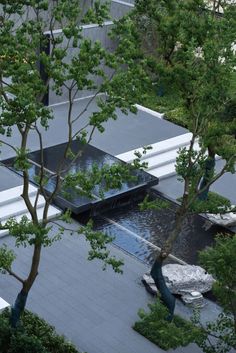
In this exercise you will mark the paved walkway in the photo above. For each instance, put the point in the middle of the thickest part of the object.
(95, 309)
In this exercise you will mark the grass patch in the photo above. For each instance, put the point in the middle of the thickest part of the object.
(166, 335)
(169, 104)
(215, 203)
(34, 335)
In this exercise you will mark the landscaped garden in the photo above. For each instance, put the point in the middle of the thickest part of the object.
(173, 57)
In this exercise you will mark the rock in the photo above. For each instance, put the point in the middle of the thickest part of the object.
(226, 219)
(187, 278)
(194, 299)
(182, 279)
(149, 284)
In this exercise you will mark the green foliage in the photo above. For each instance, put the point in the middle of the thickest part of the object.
(191, 64)
(214, 203)
(116, 78)
(98, 242)
(34, 336)
(97, 13)
(219, 335)
(220, 261)
(103, 178)
(7, 257)
(27, 232)
(156, 204)
(166, 335)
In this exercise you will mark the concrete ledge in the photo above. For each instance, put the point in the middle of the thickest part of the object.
(86, 26)
(125, 3)
(3, 304)
(149, 111)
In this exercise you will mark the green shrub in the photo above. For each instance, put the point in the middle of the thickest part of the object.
(34, 335)
(166, 335)
(215, 203)
(5, 334)
(22, 343)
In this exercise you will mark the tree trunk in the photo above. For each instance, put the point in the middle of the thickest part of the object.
(167, 297)
(18, 308)
(21, 298)
(209, 171)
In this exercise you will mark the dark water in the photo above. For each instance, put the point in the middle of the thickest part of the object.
(132, 227)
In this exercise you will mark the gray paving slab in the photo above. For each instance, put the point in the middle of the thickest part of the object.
(94, 309)
(8, 179)
(224, 186)
(126, 133)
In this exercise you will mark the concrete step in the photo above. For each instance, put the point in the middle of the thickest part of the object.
(52, 213)
(164, 171)
(14, 194)
(158, 148)
(161, 159)
(164, 158)
(18, 207)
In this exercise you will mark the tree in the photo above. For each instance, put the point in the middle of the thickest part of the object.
(220, 335)
(193, 57)
(27, 72)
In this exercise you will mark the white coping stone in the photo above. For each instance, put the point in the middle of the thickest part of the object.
(3, 304)
(76, 100)
(14, 194)
(149, 111)
(123, 3)
(91, 25)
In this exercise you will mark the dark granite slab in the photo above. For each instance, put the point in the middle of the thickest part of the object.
(88, 156)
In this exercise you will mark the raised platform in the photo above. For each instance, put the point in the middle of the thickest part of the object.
(88, 157)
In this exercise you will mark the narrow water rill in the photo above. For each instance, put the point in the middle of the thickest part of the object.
(142, 233)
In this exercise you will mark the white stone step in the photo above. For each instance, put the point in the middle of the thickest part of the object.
(168, 157)
(13, 194)
(157, 148)
(161, 159)
(164, 171)
(18, 207)
(52, 213)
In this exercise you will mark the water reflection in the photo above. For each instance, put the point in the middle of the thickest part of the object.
(129, 225)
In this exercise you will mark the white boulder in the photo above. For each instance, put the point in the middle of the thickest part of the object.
(183, 279)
